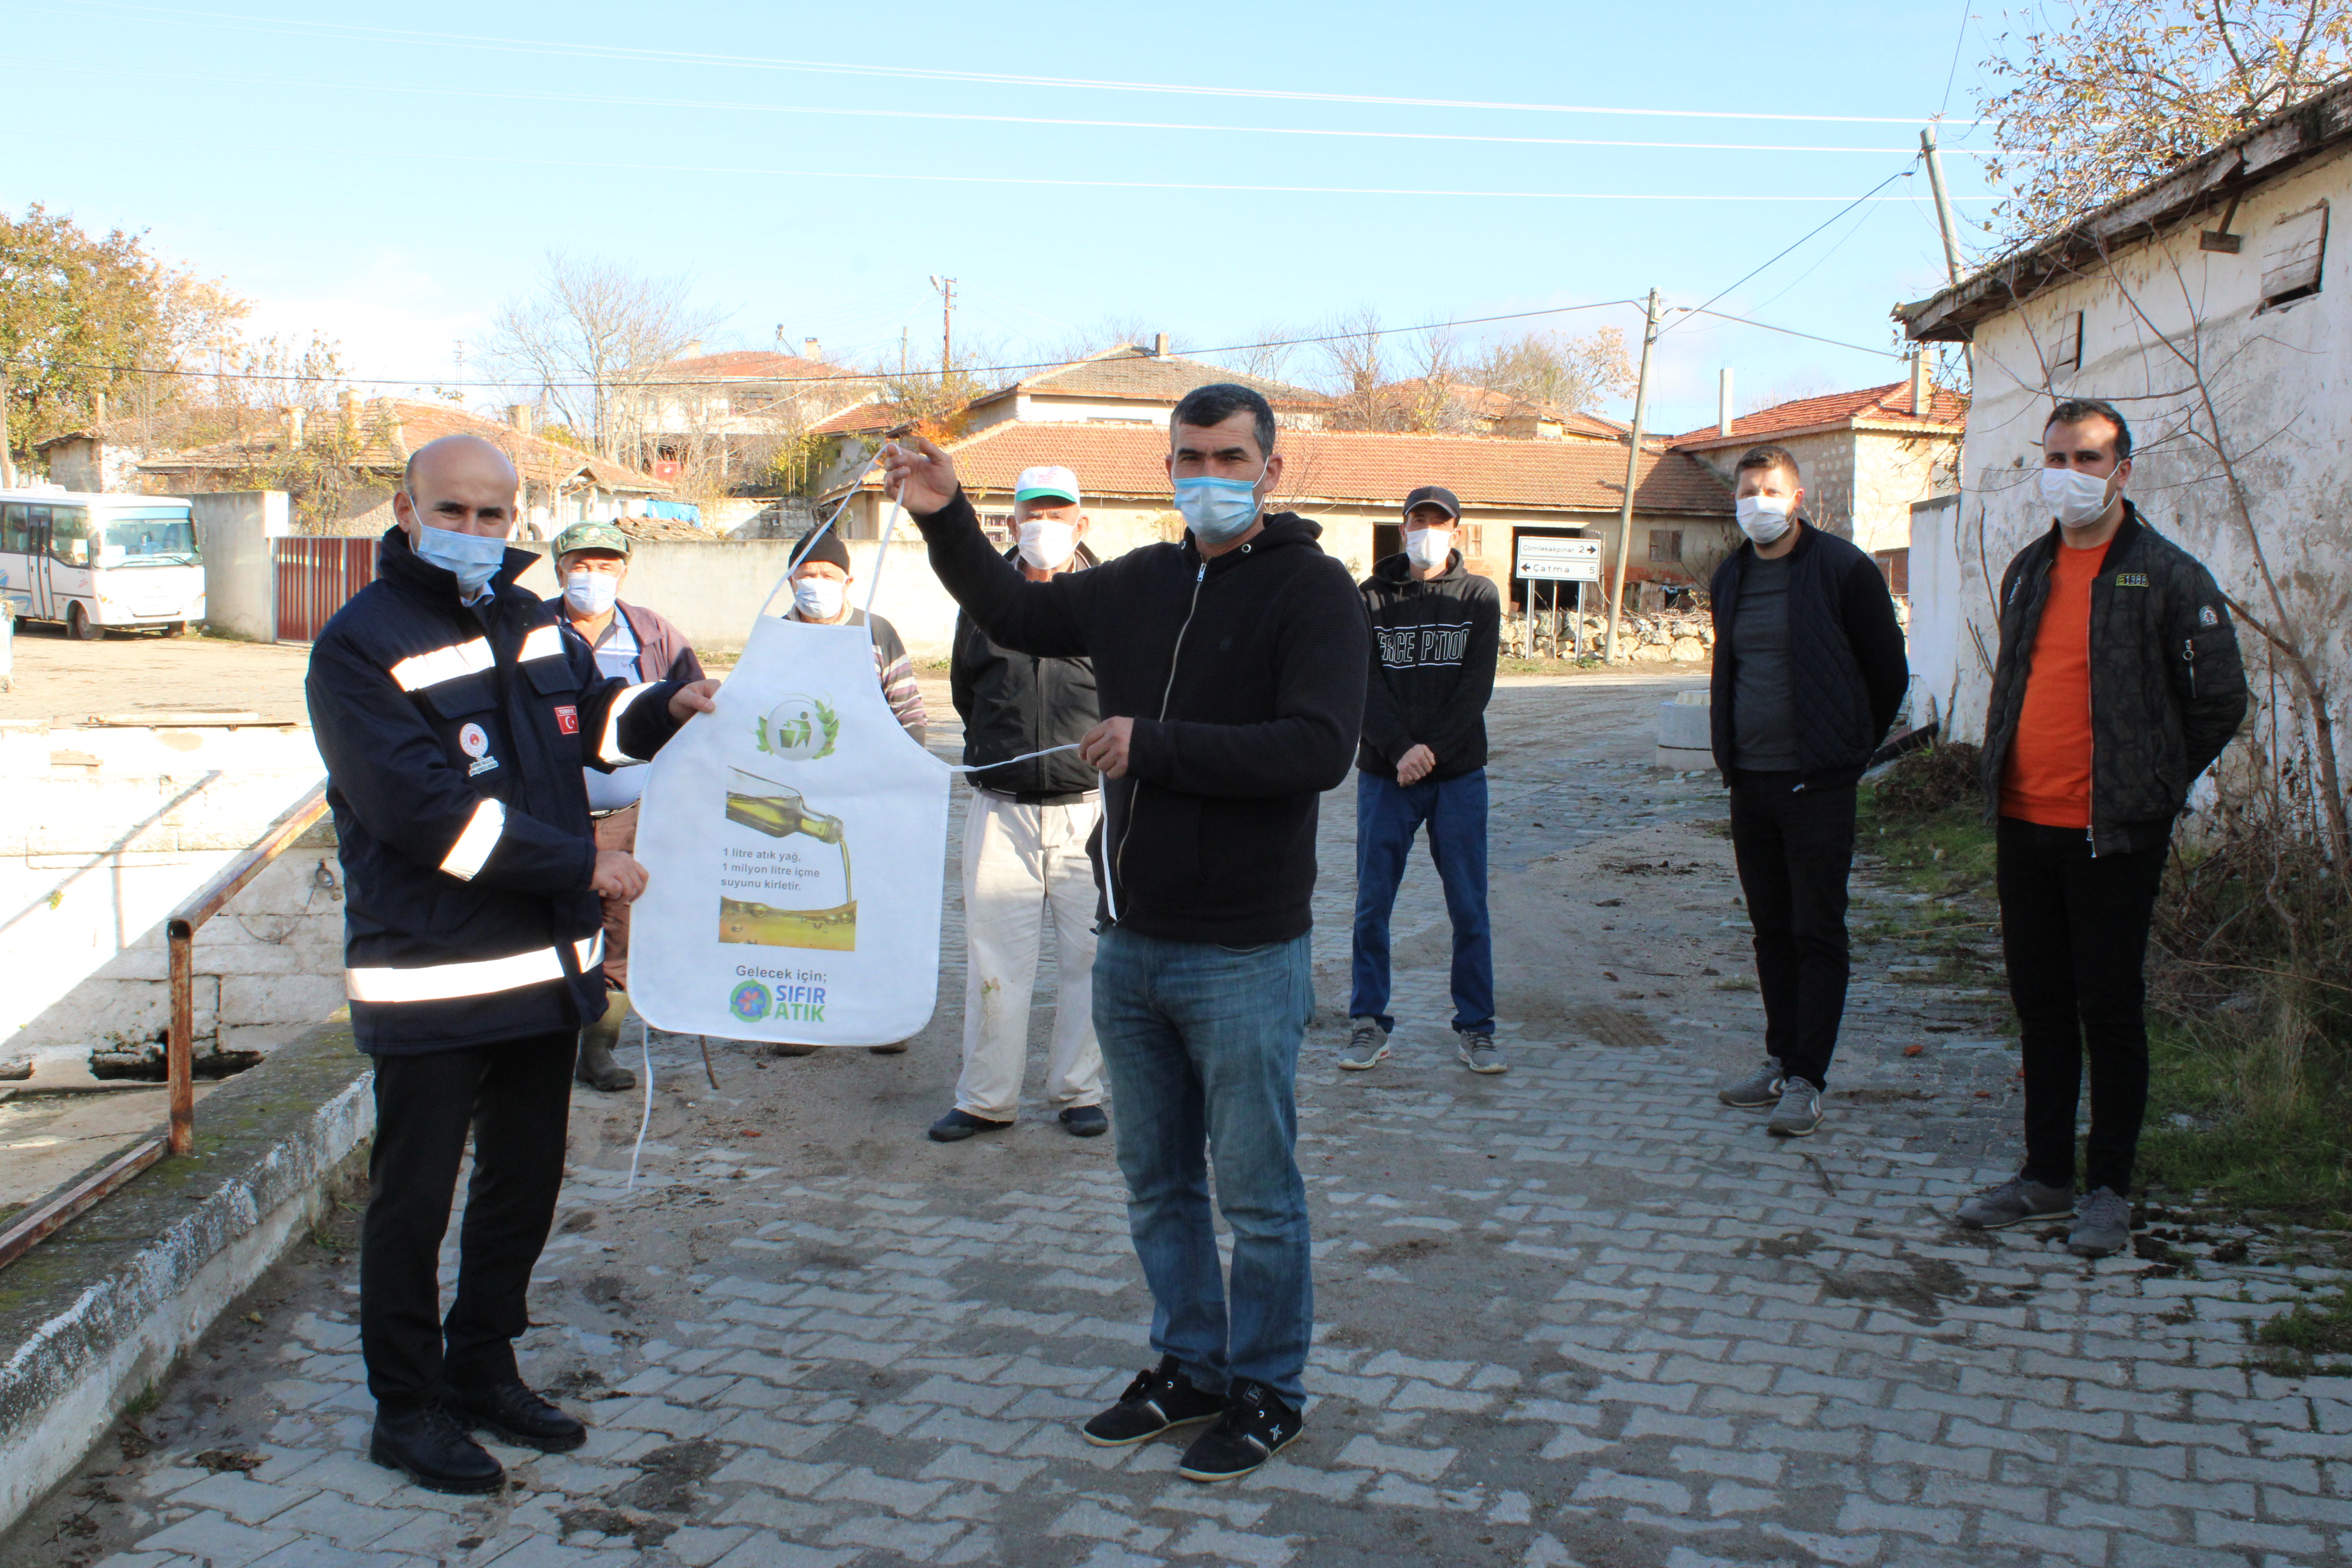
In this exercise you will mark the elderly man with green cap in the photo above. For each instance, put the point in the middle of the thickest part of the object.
(632, 642)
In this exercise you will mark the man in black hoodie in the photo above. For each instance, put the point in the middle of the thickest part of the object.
(1435, 631)
(1231, 669)
(1809, 670)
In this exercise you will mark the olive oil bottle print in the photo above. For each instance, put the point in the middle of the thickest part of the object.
(787, 868)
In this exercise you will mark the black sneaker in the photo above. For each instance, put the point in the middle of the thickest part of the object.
(1085, 1121)
(958, 1125)
(425, 1444)
(1160, 1398)
(1257, 1426)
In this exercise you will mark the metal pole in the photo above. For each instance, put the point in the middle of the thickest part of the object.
(7, 462)
(179, 1051)
(1633, 471)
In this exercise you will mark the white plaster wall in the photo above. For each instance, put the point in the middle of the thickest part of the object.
(93, 858)
(2278, 383)
(233, 529)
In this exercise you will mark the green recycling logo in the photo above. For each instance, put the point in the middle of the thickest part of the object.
(800, 729)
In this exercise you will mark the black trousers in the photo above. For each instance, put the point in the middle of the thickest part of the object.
(2074, 929)
(517, 1098)
(1794, 847)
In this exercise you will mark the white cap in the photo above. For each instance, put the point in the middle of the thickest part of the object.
(1039, 484)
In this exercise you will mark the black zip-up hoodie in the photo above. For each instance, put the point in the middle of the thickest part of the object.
(1245, 676)
(1017, 703)
(2168, 686)
(1433, 648)
(1847, 670)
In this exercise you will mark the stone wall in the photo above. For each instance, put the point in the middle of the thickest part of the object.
(108, 831)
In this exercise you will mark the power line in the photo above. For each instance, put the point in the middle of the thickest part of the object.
(82, 138)
(1951, 76)
(1793, 332)
(1899, 173)
(353, 32)
(610, 101)
(632, 385)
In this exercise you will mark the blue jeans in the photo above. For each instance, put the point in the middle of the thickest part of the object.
(1201, 1042)
(1388, 814)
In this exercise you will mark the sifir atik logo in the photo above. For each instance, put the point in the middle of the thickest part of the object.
(749, 1002)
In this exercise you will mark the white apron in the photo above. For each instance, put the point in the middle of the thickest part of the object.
(794, 841)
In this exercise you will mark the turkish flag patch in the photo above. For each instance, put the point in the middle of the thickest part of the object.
(567, 718)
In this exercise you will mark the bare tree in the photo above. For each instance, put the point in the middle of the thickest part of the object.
(2100, 96)
(1270, 353)
(589, 336)
(1556, 371)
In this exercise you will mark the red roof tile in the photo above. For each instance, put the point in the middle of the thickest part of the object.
(1359, 468)
(1133, 372)
(537, 458)
(863, 420)
(748, 365)
(1869, 408)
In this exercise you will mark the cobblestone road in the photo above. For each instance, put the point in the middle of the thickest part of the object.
(1577, 1314)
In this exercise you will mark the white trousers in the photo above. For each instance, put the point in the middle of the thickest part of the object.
(1018, 861)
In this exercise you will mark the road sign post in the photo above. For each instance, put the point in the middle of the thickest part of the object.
(1544, 559)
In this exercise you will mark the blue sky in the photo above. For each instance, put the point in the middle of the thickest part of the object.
(390, 182)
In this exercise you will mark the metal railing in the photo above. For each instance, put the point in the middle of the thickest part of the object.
(179, 1136)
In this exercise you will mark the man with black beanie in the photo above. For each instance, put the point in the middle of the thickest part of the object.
(1436, 628)
(1231, 669)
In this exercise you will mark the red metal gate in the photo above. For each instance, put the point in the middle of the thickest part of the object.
(315, 576)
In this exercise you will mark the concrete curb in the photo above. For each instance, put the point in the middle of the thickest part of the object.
(93, 1315)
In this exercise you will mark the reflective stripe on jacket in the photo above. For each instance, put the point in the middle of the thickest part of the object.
(454, 739)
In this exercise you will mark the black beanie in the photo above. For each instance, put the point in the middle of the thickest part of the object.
(828, 547)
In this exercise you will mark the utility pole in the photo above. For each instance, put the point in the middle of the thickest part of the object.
(946, 286)
(1934, 161)
(8, 460)
(1943, 203)
(1633, 470)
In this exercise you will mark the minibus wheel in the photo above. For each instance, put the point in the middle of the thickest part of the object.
(79, 626)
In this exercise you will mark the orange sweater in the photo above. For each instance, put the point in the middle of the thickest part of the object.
(2046, 778)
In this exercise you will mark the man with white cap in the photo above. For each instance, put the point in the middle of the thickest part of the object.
(1025, 843)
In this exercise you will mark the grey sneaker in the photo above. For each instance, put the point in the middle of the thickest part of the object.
(2015, 1201)
(1799, 1114)
(2102, 1227)
(1758, 1090)
(1479, 1053)
(1367, 1044)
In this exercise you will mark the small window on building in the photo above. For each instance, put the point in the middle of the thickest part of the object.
(2292, 256)
(2066, 353)
(998, 527)
(1474, 541)
(1665, 544)
(1896, 566)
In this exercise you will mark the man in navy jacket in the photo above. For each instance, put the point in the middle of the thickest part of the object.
(454, 717)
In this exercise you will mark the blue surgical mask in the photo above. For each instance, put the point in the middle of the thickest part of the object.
(1217, 509)
(472, 558)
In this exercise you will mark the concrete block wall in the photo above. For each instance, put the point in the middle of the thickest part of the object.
(110, 830)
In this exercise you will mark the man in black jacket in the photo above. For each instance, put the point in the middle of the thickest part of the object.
(2117, 683)
(1231, 669)
(1436, 628)
(1025, 843)
(454, 716)
(1809, 671)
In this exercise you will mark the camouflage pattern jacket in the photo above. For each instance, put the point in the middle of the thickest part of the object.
(2167, 687)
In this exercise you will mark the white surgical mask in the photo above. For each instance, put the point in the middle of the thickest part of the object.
(2073, 497)
(1047, 543)
(591, 593)
(1427, 547)
(819, 598)
(1762, 517)
(1218, 509)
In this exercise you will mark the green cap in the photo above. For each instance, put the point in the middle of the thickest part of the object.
(591, 536)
